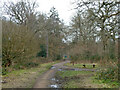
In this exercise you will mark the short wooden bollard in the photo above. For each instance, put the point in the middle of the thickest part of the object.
(73, 63)
(93, 65)
(84, 66)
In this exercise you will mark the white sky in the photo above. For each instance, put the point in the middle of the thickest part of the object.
(64, 7)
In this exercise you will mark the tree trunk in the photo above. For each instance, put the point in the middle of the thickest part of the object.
(47, 44)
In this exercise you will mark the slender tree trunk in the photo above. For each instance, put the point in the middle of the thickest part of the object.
(47, 44)
(119, 44)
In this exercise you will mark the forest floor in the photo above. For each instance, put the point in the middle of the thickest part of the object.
(55, 75)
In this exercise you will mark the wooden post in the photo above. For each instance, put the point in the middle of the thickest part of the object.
(73, 63)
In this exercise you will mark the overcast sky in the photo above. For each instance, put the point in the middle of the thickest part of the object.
(64, 7)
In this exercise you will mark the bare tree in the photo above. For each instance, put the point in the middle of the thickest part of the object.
(22, 11)
(96, 24)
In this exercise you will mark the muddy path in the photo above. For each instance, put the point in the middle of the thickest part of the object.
(79, 81)
(43, 81)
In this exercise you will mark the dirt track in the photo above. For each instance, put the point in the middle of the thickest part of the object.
(43, 80)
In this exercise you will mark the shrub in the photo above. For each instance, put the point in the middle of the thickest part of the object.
(110, 73)
(75, 57)
(95, 57)
(31, 64)
(42, 53)
(18, 42)
(58, 57)
(4, 71)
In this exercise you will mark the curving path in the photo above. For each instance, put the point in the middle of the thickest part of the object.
(44, 80)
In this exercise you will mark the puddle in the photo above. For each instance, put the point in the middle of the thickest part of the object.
(78, 69)
(65, 69)
(54, 79)
(75, 69)
(57, 82)
(72, 69)
(53, 67)
(3, 82)
(60, 69)
(54, 86)
(54, 83)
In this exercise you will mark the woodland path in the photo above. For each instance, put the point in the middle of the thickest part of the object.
(44, 80)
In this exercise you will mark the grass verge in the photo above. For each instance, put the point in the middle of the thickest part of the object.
(64, 74)
(105, 83)
(74, 79)
(24, 78)
(83, 79)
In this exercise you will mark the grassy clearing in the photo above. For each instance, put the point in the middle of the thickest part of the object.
(74, 79)
(72, 84)
(84, 79)
(80, 65)
(25, 78)
(73, 73)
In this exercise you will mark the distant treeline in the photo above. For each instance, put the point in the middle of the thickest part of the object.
(95, 30)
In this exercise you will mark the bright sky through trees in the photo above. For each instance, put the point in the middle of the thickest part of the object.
(64, 7)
